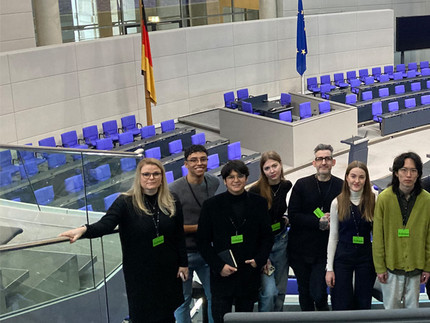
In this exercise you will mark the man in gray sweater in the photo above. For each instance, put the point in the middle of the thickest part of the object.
(192, 190)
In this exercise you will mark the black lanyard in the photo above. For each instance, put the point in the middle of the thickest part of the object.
(355, 221)
(155, 215)
(194, 195)
(326, 194)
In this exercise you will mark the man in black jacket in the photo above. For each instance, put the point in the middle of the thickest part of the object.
(309, 214)
(235, 221)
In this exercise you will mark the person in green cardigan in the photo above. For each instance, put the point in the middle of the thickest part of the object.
(401, 234)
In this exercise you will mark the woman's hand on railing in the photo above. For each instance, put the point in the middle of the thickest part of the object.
(74, 234)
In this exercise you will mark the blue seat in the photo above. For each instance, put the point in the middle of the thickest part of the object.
(363, 74)
(198, 139)
(128, 164)
(167, 125)
(6, 162)
(169, 176)
(384, 78)
(376, 72)
(305, 110)
(325, 88)
(355, 83)
(339, 80)
(425, 99)
(411, 74)
(416, 86)
(401, 68)
(28, 169)
(104, 144)
(399, 89)
(55, 160)
(175, 146)
(325, 79)
(351, 75)
(70, 140)
(242, 94)
(147, 132)
(292, 287)
(398, 76)
(247, 107)
(285, 99)
(367, 95)
(153, 153)
(425, 71)
(324, 107)
(312, 85)
(412, 66)
(428, 84)
(88, 207)
(48, 142)
(383, 92)
(101, 173)
(229, 100)
(410, 103)
(110, 130)
(393, 106)
(44, 195)
(125, 138)
(184, 170)
(108, 200)
(286, 116)
(234, 151)
(377, 111)
(26, 156)
(213, 161)
(351, 98)
(389, 70)
(424, 64)
(74, 184)
(129, 124)
(5, 178)
(369, 80)
(90, 134)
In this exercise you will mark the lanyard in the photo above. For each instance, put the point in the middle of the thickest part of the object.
(355, 222)
(194, 195)
(326, 194)
(155, 215)
(235, 226)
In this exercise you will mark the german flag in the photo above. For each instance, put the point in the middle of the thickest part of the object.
(147, 71)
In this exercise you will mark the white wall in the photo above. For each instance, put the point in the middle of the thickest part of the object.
(53, 89)
(16, 25)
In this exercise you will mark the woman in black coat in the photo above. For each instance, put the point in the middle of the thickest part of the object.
(152, 240)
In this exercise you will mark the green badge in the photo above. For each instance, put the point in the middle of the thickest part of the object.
(319, 213)
(402, 233)
(276, 226)
(237, 239)
(358, 240)
(157, 241)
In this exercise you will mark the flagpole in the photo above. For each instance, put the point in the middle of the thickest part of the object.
(303, 83)
(148, 107)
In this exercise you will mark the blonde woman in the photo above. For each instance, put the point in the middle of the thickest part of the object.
(152, 239)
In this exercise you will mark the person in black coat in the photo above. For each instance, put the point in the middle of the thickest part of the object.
(153, 245)
(235, 221)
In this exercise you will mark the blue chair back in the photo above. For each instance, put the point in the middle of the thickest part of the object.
(169, 176)
(74, 184)
(377, 111)
(47, 142)
(44, 195)
(351, 98)
(376, 71)
(110, 129)
(213, 161)
(351, 75)
(286, 116)
(338, 77)
(88, 207)
(69, 139)
(369, 80)
(425, 99)
(128, 123)
(399, 89)
(229, 100)
(416, 86)
(104, 144)
(101, 173)
(424, 64)
(125, 138)
(55, 160)
(128, 164)
(168, 125)
(242, 94)
(5, 178)
(29, 169)
(400, 68)
(393, 106)
(425, 71)
(410, 103)
(412, 66)
(384, 78)
(355, 83)
(184, 170)
(383, 92)
(108, 200)
(312, 84)
(247, 107)
(305, 110)
(325, 79)
(363, 73)
(5, 158)
(324, 107)
(285, 99)
(325, 88)
(198, 139)
(411, 74)
(389, 69)
(90, 134)
(175, 146)
(398, 76)
(147, 132)
(153, 153)
(367, 95)
(234, 151)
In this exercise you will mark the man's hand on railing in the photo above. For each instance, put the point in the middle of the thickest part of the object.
(74, 234)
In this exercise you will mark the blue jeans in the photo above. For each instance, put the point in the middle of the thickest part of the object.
(197, 264)
(272, 294)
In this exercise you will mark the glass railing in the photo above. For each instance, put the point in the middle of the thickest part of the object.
(44, 192)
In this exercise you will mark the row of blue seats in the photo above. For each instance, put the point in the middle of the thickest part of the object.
(326, 85)
(394, 106)
(231, 102)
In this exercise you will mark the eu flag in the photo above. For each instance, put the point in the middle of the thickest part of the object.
(302, 48)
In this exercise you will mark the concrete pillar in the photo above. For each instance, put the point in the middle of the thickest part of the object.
(47, 20)
(267, 9)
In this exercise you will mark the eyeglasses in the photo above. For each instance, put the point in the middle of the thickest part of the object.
(195, 160)
(233, 177)
(327, 159)
(148, 175)
(405, 170)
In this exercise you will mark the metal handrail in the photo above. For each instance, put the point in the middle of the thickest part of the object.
(44, 242)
